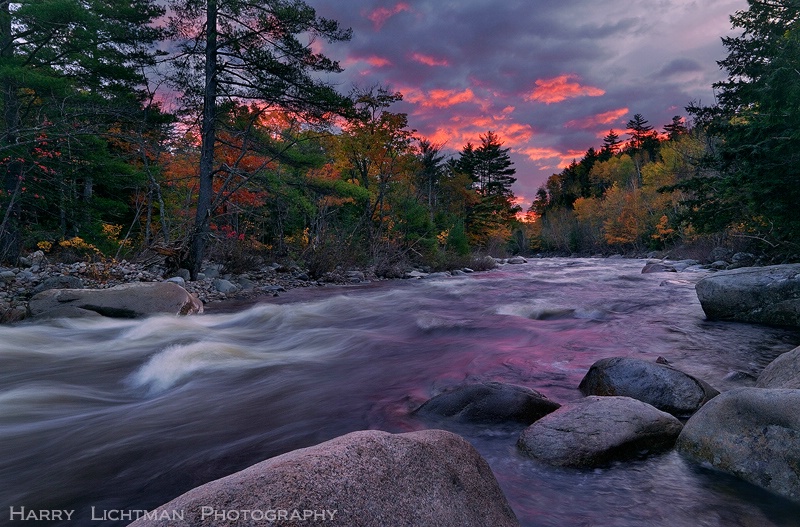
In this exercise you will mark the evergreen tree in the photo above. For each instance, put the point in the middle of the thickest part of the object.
(248, 51)
(611, 145)
(68, 70)
(675, 129)
(755, 178)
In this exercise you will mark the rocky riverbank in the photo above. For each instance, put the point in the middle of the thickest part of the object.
(35, 274)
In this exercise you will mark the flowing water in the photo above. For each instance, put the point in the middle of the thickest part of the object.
(125, 415)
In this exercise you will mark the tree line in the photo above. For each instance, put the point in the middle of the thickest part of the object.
(256, 155)
(728, 177)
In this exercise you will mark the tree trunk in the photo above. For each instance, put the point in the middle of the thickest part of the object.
(199, 236)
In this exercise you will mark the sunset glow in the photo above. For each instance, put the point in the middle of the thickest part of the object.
(550, 80)
(382, 14)
(560, 89)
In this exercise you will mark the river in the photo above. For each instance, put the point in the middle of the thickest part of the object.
(126, 414)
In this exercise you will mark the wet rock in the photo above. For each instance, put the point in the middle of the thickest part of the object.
(597, 430)
(517, 260)
(763, 295)
(660, 385)
(751, 433)
(489, 402)
(123, 301)
(430, 478)
(657, 267)
(783, 372)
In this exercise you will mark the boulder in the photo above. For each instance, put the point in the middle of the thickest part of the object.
(762, 295)
(371, 478)
(751, 433)
(783, 372)
(489, 402)
(516, 260)
(657, 267)
(597, 430)
(224, 286)
(658, 384)
(123, 301)
(59, 282)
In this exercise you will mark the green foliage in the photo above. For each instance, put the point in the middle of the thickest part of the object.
(750, 183)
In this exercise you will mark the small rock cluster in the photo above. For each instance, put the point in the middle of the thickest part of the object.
(629, 410)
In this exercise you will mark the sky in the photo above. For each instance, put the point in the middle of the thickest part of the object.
(550, 77)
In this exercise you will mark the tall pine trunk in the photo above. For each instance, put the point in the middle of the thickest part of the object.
(199, 236)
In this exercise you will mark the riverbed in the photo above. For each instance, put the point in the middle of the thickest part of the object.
(123, 415)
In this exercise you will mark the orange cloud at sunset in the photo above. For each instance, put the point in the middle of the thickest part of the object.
(428, 60)
(380, 15)
(440, 98)
(378, 62)
(563, 159)
(598, 119)
(560, 89)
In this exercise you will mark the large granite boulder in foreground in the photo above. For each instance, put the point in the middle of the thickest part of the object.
(662, 386)
(752, 433)
(123, 301)
(429, 478)
(762, 295)
(783, 372)
(489, 402)
(598, 430)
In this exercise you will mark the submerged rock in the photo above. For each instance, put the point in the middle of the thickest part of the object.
(762, 295)
(658, 384)
(598, 430)
(751, 433)
(489, 402)
(124, 301)
(783, 372)
(429, 478)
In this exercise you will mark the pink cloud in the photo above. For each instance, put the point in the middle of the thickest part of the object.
(594, 121)
(380, 15)
(560, 89)
(429, 60)
(440, 98)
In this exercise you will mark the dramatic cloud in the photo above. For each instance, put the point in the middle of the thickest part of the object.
(560, 89)
(380, 15)
(550, 78)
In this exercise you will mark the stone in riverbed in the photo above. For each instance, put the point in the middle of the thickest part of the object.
(751, 433)
(59, 282)
(597, 430)
(761, 295)
(660, 385)
(489, 402)
(123, 301)
(783, 372)
(430, 478)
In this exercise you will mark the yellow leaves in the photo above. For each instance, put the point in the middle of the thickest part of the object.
(442, 237)
(45, 245)
(77, 242)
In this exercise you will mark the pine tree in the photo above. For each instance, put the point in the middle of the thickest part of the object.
(248, 51)
(68, 68)
(755, 178)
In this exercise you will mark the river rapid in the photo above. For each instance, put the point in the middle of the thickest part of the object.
(120, 415)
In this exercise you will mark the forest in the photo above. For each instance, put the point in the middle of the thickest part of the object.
(258, 157)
